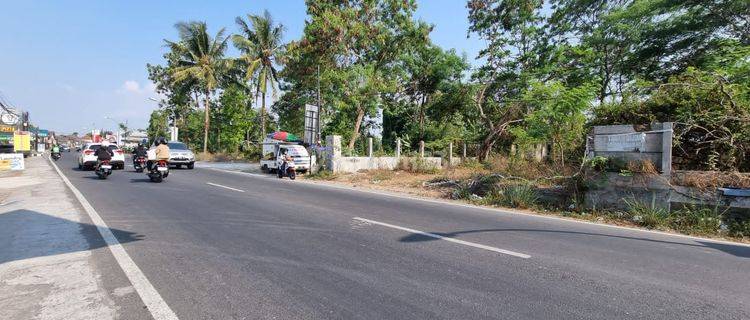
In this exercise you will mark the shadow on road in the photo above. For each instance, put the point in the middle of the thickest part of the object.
(139, 180)
(26, 234)
(739, 251)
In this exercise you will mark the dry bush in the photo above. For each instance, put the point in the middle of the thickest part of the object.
(645, 167)
(711, 179)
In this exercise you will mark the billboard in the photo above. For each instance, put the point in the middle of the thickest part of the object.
(11, 161)
(21, 141)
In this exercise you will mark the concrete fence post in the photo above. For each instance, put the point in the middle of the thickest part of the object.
(666, 148)
(369, 147)
(421, 148)
(463, 153)
(398, 148)
(333, 152)
(450, 153)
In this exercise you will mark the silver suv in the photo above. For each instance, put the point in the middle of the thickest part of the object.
(180, 154)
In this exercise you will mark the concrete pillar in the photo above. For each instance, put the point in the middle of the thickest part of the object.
(463, 153)
(450, 153)
(333, 152)
(421, 149)
(369, 147)
(666, 151)
(398, 148)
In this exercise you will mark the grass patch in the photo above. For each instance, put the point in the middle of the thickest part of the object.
(381, 175)
(521, 196)
(699, 220)
(646, 215)
(324, 175)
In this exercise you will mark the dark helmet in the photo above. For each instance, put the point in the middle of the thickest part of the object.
(144, 142)
(161, 140)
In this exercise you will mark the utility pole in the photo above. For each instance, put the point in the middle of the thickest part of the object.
(320, 109)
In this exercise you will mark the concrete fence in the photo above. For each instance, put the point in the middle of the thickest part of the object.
(335, 162)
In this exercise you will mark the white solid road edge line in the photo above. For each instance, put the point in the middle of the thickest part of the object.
(225, 187)
(494, 210)
(154, 302)
(437, 236)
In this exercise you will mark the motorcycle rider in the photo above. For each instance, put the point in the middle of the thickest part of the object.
(56, 150)
(281, 160)
(103, 153)
(139, 151)
(162, 151)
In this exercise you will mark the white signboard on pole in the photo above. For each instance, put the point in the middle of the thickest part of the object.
(311, 124)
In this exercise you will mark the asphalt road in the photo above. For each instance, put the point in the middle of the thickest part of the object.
(221, 245)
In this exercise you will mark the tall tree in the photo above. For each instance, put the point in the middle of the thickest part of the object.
(261, 45)
(355, 44)
(200, 58)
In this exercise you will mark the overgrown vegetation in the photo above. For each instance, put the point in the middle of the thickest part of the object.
(549, 72)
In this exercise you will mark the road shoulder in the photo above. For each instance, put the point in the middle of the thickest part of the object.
(53, 264)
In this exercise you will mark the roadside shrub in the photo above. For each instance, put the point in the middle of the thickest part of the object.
(697, 220)
(739, 229)
(514, 196)
(418, 165)
(646, 215)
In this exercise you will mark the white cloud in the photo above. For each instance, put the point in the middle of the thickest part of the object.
(133, 87)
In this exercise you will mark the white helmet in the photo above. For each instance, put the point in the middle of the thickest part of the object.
(105, 143)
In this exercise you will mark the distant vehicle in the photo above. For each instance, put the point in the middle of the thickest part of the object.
(159, 171)
(87, 159)
(103, 170)
(139, 164)
(272, 148)
(180, 154)
(64, 148)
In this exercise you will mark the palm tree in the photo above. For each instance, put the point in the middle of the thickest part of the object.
(260, 44)
(201, 59)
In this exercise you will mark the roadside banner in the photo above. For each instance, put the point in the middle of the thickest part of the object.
(11, 161)
(21, 141)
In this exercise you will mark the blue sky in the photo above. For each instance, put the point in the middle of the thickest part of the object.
(73, 63)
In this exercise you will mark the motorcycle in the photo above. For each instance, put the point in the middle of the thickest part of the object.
(287, 169)
(56, 156)
(103, 169)
(139, 164)
(159, 171)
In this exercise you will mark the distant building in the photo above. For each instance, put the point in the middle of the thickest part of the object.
(132, 139)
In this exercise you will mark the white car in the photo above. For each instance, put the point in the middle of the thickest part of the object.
(87, 159)
(180, 154)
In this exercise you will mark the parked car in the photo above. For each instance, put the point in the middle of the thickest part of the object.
(87, 159)
(180, 154)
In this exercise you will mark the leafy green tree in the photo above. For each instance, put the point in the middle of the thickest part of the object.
(200, 59)
(261, 45)
(355, 45)
(556, 116)
(157, 125)
(235, 118)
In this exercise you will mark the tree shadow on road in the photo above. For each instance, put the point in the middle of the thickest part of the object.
(736, 250)
(26, 234)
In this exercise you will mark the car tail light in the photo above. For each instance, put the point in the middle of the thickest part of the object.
(119, 151)
(88, 152)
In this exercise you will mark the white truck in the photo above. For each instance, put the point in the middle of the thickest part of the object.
(272, 148)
